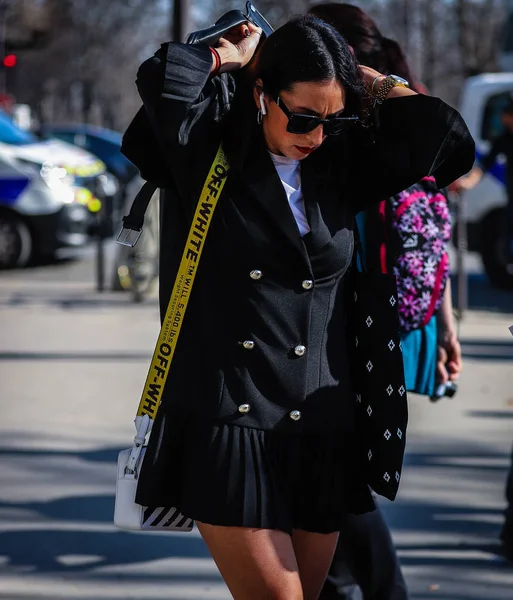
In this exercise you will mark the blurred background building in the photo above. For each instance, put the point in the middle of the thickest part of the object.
(69, 63)
(75, 60)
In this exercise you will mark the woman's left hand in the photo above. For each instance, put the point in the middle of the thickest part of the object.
(449, 362)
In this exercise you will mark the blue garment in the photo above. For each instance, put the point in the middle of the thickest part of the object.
(360, 224)
(419, 356)
(419, 346)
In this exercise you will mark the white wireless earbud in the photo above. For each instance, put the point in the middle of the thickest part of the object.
(262, 105)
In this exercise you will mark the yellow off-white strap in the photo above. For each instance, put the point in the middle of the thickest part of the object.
(168, 337)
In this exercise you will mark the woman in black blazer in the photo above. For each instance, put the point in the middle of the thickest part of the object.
(256, 437)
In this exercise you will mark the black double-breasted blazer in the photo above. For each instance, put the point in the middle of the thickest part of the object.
(265, 325)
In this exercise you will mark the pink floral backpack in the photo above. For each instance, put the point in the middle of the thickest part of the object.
(414, 248)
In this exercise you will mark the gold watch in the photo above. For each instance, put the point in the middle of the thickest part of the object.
(387, 84)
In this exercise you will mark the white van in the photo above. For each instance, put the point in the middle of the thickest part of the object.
(483, 98)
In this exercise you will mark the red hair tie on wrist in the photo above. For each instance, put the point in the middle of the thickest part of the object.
(217, 59)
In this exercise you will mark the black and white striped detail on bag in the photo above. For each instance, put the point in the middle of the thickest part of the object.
(165, 518)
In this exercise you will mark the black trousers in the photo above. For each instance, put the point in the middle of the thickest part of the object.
(509, 496)
(509, 225)
(365, 558)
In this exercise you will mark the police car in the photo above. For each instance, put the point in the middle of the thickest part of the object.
(47, 194)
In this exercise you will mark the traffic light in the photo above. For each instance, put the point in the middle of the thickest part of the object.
(9, 61)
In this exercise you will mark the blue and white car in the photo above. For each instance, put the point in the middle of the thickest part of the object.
(38, 213)
(47, 194)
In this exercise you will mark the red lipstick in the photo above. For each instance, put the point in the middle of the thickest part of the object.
(305, 149)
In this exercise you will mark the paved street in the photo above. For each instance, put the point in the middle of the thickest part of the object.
(72, 363)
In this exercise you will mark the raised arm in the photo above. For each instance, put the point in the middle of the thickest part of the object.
(177, 88)
(416, 136)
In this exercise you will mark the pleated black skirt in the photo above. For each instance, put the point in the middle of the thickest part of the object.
(223, 474)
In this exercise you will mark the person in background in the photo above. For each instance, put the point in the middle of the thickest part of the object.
(431, 353)
(507, 528)
(502, 145)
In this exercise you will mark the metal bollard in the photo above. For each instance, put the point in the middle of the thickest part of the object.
(462, 247)
(100, 256)
(102, 222)
(107, 191)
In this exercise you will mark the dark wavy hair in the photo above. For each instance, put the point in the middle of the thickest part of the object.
(305, 49)
(308, 49)
(363, 35)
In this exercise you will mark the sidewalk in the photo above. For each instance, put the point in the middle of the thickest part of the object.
(71, 366)
(448, 516)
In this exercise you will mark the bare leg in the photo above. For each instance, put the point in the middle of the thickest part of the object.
(314, 553)
(256, 564)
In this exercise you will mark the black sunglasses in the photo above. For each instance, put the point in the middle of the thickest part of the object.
(299, 123)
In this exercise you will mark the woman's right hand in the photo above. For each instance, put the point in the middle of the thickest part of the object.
(238, 46)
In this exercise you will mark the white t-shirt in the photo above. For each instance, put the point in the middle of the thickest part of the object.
(289, 172)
